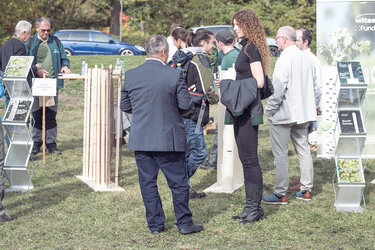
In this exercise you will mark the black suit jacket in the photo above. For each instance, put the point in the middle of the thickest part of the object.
(155, 94)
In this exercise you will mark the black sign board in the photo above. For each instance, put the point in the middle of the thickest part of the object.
(351, 122)
(350, 73)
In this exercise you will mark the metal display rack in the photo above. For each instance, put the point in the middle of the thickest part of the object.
(350, 137)
(16, 124)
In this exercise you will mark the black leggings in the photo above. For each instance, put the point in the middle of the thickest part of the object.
(247, 143)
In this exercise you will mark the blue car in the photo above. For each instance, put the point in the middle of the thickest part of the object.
(92, 42)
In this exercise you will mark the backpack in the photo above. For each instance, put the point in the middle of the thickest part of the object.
(182, 60)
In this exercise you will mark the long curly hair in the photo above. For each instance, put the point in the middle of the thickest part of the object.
(252, 28)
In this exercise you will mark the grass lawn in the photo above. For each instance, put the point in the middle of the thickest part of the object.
(63, 212)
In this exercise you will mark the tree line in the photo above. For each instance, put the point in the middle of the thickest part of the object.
(149, 17)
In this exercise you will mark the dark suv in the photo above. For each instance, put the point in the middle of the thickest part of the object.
(92, 42)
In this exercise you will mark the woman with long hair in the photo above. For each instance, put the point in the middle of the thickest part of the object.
(179, 37)
(252, 61)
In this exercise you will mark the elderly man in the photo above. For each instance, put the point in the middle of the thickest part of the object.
(155, 94)
(13, 47)
(49, 52)
(290, 110)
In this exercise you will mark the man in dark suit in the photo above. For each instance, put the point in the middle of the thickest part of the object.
(155, 94)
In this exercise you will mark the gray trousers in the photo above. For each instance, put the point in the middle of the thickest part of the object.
(280, 134)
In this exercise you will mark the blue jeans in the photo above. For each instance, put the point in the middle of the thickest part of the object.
(196, 147)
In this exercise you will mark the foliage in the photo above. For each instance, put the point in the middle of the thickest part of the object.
(343, 46)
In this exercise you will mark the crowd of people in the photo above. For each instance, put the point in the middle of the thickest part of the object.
(169, 98)
(180, 102)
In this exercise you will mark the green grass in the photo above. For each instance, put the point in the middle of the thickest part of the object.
(63, 212)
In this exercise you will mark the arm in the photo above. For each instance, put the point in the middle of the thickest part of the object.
(183, 97)
(125, 105)
(65, 63)
(280, 82)
(257, 71)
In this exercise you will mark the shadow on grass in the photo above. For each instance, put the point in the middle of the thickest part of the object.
(42, 198)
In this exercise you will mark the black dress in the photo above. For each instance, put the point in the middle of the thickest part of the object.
(245, 133)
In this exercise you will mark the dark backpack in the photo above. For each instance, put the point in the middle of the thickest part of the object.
(181, 60)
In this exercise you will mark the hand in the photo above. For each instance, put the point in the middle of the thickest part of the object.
(65, 70)
(218, 83)
(38, 66)
(318, 111)
(42, 73)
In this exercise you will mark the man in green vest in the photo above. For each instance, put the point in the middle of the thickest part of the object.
(225, 45)
(49, 52)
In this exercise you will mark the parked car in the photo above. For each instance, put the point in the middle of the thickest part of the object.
(92, 42)
(274, 51)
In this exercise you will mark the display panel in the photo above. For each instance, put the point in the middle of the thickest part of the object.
(18, 66)
(17, 88)
(17, 111)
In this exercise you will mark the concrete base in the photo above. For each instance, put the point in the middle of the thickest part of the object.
(217, 188)
(111, 187)
(356, 209)
(19, 188)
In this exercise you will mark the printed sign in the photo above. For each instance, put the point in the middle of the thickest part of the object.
(44, 87)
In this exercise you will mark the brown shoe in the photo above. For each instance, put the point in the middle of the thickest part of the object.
(304, 195)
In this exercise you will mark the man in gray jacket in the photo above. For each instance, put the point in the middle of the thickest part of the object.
(290, 110)
(155, 94)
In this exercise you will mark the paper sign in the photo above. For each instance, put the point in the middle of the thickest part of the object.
(44, 87)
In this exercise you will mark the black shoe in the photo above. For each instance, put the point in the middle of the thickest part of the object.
(195, 195)
(157, 231)
(4, 216)
(36, 149)
(54, 150)
(195, 228)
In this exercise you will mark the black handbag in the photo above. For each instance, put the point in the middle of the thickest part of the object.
(267, 89)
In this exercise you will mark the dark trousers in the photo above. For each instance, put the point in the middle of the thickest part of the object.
(172, 164)
(246, 136)
(51, 127)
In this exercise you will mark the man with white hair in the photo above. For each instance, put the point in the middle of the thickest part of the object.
(290, 110)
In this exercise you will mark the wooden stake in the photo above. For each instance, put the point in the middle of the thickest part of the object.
(118, 132)
(44, 127)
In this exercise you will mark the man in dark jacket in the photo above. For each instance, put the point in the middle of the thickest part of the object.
(49, 52)
(155, 94)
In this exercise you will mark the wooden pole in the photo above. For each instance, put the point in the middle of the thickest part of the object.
(44, 127)
(118, 132)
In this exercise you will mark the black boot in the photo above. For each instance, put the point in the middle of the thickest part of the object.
(246, 210)
(254, 198)
(3, 215)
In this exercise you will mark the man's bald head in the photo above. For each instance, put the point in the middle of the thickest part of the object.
(286, 36)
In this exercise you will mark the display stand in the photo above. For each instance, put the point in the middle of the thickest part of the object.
(229, 167)
(350, 137)
(98, 136)
(16, 124)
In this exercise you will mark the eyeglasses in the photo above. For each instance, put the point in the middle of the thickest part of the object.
(48, 31)
(278, 37)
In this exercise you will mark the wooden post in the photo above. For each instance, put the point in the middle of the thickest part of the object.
(118, 131)
(44, 128)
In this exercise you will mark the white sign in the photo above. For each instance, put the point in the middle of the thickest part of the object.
(44, 87)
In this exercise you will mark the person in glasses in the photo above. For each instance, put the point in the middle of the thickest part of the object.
(290, 110)
(49, 52)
